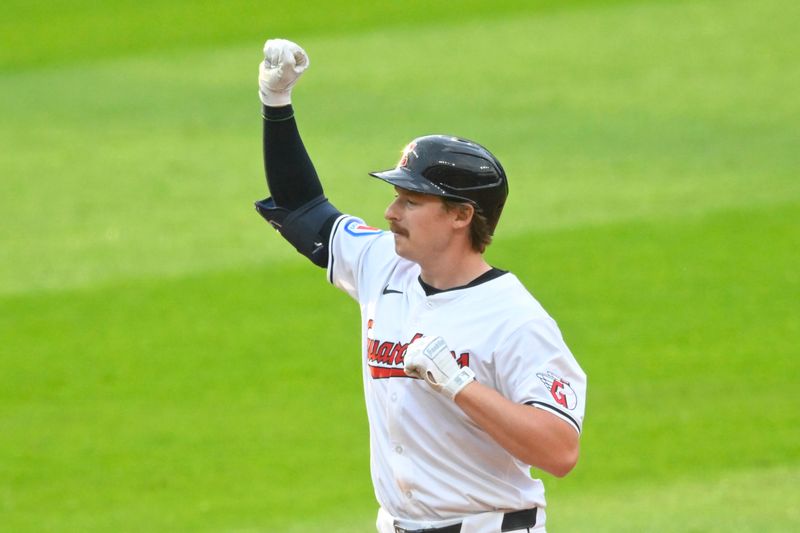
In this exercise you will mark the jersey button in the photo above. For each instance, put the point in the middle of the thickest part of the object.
(394, 396)
(409, 495)
(399, 449)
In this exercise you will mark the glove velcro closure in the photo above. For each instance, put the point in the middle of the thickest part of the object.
(461, 379)
(302, 226)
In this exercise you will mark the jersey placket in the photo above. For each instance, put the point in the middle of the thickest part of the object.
(401, 461)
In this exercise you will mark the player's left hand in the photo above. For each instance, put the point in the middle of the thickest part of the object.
(284, 62)
(430, 359)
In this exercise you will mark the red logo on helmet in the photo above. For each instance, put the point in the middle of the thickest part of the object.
(407, 150)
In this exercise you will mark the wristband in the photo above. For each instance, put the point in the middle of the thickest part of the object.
(461, 379)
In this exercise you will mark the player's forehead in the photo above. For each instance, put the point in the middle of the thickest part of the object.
(421, 196)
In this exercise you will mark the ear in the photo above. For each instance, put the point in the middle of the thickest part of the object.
(464, 214)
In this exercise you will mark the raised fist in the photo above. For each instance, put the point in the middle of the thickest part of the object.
(284, 62)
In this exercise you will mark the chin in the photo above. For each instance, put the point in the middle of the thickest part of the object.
(399, 247)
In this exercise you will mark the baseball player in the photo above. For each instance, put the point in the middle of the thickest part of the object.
(467, 380)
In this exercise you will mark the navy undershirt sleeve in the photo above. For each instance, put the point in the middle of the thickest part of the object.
(291, 177)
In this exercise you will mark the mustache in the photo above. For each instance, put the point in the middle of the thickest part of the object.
(394, 228)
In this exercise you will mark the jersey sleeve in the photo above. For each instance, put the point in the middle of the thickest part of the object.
(358, 255)
(535, 367)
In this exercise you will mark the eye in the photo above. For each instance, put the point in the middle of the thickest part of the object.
(405, 200)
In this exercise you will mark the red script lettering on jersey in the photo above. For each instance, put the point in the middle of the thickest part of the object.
(385, 358)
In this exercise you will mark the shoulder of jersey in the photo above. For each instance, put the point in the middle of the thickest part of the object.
(514, 294)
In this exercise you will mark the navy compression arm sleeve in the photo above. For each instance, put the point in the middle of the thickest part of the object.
(295, 187)
(291, 177)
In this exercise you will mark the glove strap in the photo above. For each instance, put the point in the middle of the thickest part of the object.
(275, 98)
(461, 379)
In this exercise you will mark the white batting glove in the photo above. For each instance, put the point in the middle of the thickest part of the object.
(430, 359)
(284, 62)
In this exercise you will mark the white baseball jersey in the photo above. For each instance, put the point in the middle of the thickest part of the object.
(429, 460)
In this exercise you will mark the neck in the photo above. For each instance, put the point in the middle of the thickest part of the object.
(448, 272)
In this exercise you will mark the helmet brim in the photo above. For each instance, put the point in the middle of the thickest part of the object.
(406, 179)
(411, 181)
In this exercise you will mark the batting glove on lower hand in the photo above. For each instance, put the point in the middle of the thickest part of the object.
(430, 359)
(284, 62)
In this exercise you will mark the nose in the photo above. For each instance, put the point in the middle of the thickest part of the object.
(391, 211)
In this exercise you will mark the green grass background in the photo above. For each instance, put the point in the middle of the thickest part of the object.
(167, 363)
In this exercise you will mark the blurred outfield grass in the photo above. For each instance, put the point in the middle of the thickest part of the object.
(169, 364)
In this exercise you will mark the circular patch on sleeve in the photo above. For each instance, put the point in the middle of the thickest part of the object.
(356, 228)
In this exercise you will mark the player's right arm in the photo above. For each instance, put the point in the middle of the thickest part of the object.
(537, 411)
(297, 207)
